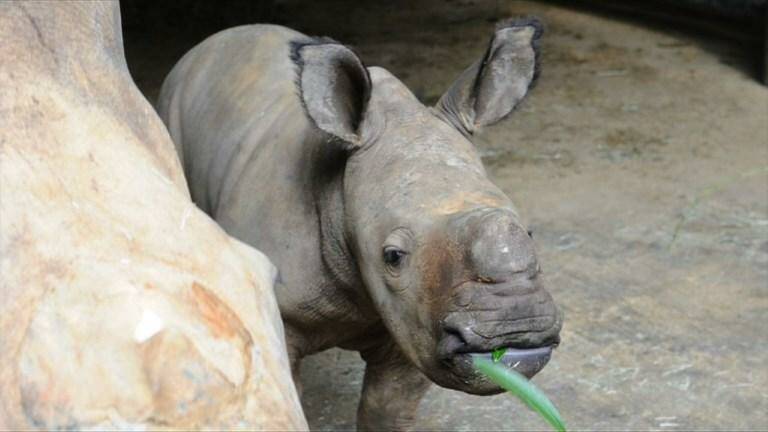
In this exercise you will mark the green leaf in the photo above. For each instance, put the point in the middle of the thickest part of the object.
(497, 354)
(517, 384)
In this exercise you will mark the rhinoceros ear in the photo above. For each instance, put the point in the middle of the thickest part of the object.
(491, 88)
(334, 86)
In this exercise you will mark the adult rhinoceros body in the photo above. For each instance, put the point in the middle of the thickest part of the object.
(377, 211)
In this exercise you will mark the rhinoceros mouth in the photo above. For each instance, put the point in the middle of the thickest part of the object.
(527, 361)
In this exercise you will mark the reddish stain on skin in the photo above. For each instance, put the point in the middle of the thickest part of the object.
(466, 201)
(440, 267)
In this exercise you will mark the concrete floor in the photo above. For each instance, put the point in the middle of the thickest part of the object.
(641, 164)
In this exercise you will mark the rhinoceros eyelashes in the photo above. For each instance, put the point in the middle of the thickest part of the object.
(394, 257)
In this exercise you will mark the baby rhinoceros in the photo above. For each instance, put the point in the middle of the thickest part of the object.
(389, 238)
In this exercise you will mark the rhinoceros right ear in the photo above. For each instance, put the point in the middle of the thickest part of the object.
(491, 88)
(334, 86)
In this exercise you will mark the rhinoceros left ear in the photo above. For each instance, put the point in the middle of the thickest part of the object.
(334, 86)
(491, 88)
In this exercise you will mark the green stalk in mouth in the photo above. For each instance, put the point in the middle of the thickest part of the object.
(498, 353)
(518, 385)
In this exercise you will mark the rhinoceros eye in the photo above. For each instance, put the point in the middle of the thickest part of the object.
(393, 256)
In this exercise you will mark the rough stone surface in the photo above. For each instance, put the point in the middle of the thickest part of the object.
(122, 306)
(641, 163)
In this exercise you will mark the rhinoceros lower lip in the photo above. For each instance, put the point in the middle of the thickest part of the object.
(526, 361)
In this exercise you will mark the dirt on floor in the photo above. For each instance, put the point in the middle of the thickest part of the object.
(640, 162)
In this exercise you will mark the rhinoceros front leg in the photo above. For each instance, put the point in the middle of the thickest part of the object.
(392, 390)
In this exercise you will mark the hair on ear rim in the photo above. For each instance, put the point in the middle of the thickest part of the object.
(297, 45)
(297, 59)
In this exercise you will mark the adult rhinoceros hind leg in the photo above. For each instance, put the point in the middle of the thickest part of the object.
(392, 390)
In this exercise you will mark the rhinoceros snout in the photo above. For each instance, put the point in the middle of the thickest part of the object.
(486, 327)
(484, 317)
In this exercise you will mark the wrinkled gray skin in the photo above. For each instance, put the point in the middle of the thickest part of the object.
(388, 236)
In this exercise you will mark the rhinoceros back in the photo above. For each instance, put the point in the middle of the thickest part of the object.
(237, 96)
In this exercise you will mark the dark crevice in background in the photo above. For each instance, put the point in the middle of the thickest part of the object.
(743, 24)
(157, 34)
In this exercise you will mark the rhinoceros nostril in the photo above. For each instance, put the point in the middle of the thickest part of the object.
(452, 342)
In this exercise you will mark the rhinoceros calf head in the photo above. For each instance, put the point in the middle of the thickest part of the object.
(441, 251)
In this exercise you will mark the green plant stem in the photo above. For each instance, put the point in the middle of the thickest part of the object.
(517, 384)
